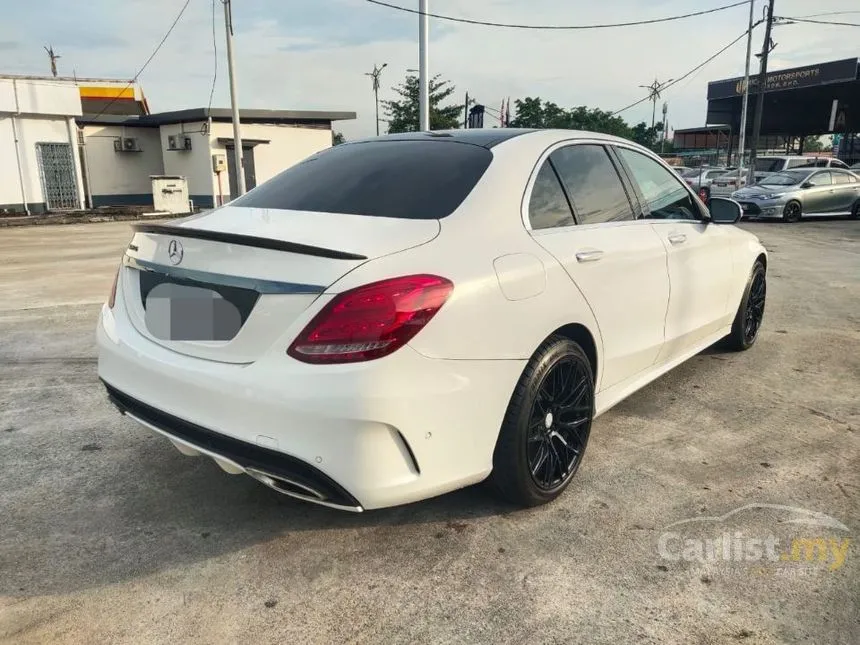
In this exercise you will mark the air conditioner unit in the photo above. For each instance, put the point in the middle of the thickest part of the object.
(186, 143)
(173, 142)
(117, 144)
(130, 144)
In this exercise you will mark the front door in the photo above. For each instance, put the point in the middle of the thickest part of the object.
(617, 262)
(699, 255)
(818, 197)
(250, 173)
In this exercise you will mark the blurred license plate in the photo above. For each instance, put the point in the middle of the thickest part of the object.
(184, 312)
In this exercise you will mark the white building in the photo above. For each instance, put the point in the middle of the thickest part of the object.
(121, 153)
(68, 143)
(39, 167)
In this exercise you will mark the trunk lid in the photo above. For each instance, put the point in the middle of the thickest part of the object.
(227, 284)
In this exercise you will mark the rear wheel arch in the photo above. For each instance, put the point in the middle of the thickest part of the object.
(763, 259)
(581, 335)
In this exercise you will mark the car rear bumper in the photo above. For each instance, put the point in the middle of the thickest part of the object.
(358, 436)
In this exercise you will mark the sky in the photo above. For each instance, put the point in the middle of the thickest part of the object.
(313, 54)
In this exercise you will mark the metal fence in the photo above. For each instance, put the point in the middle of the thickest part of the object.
(57, 174)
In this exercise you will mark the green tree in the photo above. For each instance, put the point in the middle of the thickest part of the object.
(532, 112)
(337, 138)
(645, 135)
(403, 114)
(812, 143)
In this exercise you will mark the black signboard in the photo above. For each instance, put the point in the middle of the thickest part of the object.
(788, 79)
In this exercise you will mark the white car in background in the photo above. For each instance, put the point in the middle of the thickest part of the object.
(395, 318)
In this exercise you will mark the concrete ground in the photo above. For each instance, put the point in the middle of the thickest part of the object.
(109, 535)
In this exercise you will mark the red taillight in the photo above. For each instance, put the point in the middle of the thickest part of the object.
(371, 321)
(112, 297)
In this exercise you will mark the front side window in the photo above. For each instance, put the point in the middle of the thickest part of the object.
(820, 179)
(592, 183)
(666, 197)
(548, 207)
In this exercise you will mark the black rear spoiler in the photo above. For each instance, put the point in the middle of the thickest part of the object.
(247, 240)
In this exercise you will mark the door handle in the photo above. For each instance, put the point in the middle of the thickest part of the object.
(677, 238)
(591, 255)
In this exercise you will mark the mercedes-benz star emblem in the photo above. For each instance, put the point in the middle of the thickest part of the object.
(175, 252)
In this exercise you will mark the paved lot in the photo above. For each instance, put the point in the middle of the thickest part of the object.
(108, 534)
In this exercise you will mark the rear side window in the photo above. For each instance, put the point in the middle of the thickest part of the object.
(548, 206)
(400, 179)
(799, 163)
(840, 178)
(592, 183)
(836, 163)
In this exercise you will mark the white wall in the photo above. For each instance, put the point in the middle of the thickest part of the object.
(40, 97)
(120, 174)
(41, 109)
(31, 130)
(287, 146)
(195, 164)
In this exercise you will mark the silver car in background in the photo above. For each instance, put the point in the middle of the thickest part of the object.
(802, 192)
(702, 178)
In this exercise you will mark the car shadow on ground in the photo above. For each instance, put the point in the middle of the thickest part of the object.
(145, 508)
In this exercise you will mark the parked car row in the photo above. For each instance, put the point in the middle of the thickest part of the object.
(764, 166)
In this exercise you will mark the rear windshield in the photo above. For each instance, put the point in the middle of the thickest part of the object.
(402, 179)
(769, 164)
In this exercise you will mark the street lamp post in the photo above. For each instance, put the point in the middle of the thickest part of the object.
(423, 78)
(375, 76)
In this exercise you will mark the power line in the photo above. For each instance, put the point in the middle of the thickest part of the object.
(486, 23)
(148, 60)
(827, 13)
(820, 22)
(692, 71)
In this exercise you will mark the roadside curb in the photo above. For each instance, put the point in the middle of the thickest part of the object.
(88, 218)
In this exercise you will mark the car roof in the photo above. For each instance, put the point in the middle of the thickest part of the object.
(491, 137)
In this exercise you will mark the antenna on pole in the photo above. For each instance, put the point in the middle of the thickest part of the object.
(377, 71)
(53, 57)
(653, 95)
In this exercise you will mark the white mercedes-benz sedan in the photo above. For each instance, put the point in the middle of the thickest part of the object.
(396, 318)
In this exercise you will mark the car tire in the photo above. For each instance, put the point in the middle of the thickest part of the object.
(546, 426)
(748, 320)
(855, 210)
(792, 212)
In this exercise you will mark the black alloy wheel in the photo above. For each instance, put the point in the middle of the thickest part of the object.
(792, 212)
(750, 315)
(754, 313)
(545, 431)
(559, 424)
(855, 210)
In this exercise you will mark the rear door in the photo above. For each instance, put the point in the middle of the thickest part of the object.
(845, 191)
(699, 254)
(580, 212)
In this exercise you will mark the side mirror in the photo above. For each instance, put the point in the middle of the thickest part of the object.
(807, 184)
(725, 211)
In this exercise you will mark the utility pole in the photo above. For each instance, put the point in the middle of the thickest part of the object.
(653, 94)
(767, 47)
(234, 103)
(53, 57)
(665, 127)
(466, 112)
(375, 76)
(423, 78)
(743, 129)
